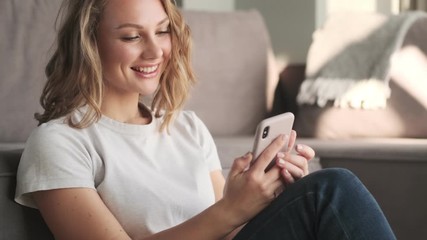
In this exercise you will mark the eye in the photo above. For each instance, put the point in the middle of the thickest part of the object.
(131, 38)
(164, 31)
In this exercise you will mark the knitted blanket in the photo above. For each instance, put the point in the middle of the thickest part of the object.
(349, 59)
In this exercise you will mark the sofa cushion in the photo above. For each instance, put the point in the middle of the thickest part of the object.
(230, 59)
(27, 34)
(403, 117)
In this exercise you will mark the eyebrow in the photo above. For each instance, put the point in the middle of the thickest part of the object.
(133, 25)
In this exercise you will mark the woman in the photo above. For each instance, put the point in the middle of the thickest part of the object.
(102, 165)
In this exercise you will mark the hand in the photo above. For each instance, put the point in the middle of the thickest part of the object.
(249, 190)
(294, 166)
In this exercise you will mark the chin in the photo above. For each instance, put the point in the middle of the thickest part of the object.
(146, 91)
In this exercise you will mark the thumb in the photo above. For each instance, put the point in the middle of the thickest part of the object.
(240, 164)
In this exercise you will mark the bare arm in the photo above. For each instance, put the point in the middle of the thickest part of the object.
(78, 213)
(218, 182)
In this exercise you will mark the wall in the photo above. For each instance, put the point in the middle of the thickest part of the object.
(289, 22)
(326, 7)
(212, 5)
(292, 22)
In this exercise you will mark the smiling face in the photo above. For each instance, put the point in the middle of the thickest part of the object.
(134, 45)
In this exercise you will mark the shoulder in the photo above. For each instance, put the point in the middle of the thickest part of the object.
(189, 120)
(187, 116)
(191, 124)
(194, 128)
(57, 143)
(57, 136)
(52, 132)
(55, 156)
(49, 131)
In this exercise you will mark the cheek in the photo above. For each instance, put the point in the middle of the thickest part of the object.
(167, 48)
(104, 54)
(120, 56)
(115, 54)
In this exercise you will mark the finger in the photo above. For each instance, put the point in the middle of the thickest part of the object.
(272, 175)
(269, 153)
(280, 189)
(305, 151)
(289, 179)
(276, 188)
(292, 139)
(296, 160)
(296, 171)
(240, 164)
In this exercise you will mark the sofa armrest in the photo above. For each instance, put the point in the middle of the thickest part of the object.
(17, 221)
(380, 149)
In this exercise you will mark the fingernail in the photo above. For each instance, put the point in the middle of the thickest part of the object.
(299, 147)
(247, 155)
(280, 155)
(285, 137)
(281, 162)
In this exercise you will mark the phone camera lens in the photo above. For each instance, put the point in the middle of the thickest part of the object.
(265, 132)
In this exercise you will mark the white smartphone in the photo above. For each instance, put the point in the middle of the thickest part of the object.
(270, 128)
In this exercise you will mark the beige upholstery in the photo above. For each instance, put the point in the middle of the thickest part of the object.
(233, 74)
(232, 66)
(27, 33)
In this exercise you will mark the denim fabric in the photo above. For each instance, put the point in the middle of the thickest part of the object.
(328, 204)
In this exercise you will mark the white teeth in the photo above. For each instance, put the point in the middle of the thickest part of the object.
(146, 69)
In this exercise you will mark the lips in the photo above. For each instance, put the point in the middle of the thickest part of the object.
(145, 70)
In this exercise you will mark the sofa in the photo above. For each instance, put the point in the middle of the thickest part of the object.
(238, 86)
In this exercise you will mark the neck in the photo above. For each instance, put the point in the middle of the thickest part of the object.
(127, 110)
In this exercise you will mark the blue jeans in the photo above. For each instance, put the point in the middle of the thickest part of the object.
(329, 204)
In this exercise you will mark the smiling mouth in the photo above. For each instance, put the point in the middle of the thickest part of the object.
(145, 69)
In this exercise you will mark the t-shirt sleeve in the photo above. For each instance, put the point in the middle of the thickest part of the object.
(208, 144)
(53, 159)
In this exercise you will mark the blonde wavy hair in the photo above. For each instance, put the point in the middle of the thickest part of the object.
(74, 73)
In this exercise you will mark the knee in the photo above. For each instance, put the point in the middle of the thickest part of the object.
(336, 178)
(336, 174)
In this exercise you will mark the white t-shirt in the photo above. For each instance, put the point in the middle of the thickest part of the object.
(149, 180)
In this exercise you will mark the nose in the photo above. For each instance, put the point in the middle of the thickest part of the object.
(152, 49)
